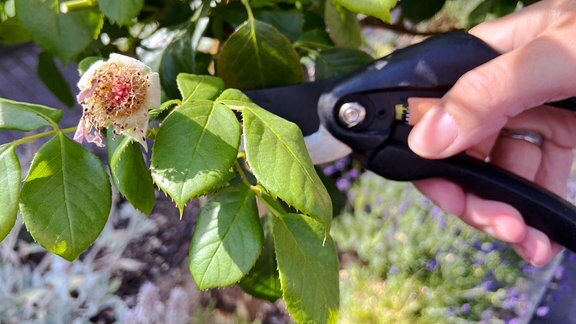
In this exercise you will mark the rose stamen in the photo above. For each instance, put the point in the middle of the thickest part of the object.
(116, 93)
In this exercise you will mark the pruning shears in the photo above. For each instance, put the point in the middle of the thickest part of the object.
(364, 113)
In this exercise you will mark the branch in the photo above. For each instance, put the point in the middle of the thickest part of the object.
(399, 27)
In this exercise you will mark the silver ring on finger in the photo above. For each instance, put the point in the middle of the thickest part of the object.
(529, 136)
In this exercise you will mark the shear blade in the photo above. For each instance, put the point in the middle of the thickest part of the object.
(324, 148)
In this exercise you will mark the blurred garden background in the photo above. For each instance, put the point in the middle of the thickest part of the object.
(402, 260)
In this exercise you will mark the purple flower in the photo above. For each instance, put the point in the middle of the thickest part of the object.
(431, 264)
(489, 285)
(523, 309)
(465, 308)
(512, 292)
(329, 170)
(565, 287)
(559, 272)
(343, 184)
(542, 311)
(436, 214)
(477, 245)
(341, 164)
(489, 247)
(435, 211)
(479, 260)
(528, 269)
(487, 314)
(367, 208)
(352, 174)
(403, 207)
(509, 303)
(441, 222)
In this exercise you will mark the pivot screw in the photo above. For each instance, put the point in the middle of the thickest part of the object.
(351, 114)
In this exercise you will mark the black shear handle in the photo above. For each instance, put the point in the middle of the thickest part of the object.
(539, 207)
(436, 64)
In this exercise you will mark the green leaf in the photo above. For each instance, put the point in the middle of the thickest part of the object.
(12, 32)
(234, 96)
(479, 13)
(314, 19)
(233, 14)
(343, 26)
(263, 280)
(63, 35)
(318, 38)
(177, 12)
(491, 9)
(130, 173)
(194, 150)
(199, 87)
(26, 117)
(419, 10)
(257, 55)
(288, 22)
(10, 182)
(227, 239)
(66, 197)
(278, 158)
(339, 61)
(50, 75)
(180, 57)
(262, 3)
(269, 3)
(528, 2)
(121, 12)
(377, 8)
(504, 7)
(308, 266)
(86, 62)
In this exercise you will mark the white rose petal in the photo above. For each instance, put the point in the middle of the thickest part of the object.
(117, 93)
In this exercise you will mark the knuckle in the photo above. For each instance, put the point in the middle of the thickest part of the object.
(481, 85)
(562, 125)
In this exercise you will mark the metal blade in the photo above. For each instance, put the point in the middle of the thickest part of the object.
(297, 103)
(324, 148)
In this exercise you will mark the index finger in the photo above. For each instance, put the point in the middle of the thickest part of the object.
(518, 29)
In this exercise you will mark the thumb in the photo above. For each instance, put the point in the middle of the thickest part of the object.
(483, 99)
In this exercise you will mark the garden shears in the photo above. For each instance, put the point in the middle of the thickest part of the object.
(365, 113)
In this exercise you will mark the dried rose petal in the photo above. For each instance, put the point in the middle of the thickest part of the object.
(117, 93)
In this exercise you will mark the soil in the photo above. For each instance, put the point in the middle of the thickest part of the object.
(164, 253)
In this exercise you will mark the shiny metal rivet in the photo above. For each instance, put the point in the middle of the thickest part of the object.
(352, 114)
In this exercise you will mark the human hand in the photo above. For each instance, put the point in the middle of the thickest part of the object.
(537, 66)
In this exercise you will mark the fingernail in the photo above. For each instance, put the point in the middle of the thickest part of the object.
(434, 133)
(527, 255)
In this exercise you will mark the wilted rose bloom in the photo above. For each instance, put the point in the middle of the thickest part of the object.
(117, 93)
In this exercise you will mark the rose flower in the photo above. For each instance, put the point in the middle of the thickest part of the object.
(117, 93)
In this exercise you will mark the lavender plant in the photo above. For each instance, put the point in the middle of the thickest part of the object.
(412, 263)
